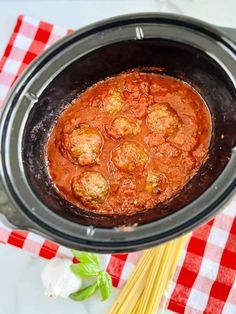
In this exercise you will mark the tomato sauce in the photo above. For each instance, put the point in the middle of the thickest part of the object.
(128, 143)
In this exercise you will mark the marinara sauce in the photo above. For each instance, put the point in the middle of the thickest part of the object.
(128, 143)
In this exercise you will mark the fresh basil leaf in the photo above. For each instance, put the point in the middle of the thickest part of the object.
(84, 257)
(105, 285)
(84, 293)
(85, 270)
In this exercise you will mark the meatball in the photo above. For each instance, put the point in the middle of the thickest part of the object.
(122, 127)
(91, 188)
(156, 182)
(113, 102)
(130, 156)
(82, 145)
(164, 119)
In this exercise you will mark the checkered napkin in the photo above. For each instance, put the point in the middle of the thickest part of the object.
(204, 281)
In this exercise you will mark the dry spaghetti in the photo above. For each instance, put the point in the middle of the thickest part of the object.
(144, 290)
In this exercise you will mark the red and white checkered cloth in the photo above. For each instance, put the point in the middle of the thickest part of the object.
(205, 279)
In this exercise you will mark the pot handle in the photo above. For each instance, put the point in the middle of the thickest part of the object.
(10, 216)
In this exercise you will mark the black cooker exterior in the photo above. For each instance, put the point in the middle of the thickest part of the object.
(29, 198)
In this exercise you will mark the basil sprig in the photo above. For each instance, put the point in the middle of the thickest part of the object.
(84, 293)
(88, 266)
(104, 284)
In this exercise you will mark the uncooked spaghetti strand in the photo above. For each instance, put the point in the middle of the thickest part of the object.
(180, 246)
(154, 270)
(137, 306)
(162, 278)
(131, 298)
(135, 309)
(181, 243)
(144, 259)
(136, 278)
(143, 293)
(155, 267)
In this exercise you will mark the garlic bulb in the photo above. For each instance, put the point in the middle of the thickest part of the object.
(58, 279)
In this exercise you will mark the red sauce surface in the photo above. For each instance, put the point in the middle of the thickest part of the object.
(128, 143)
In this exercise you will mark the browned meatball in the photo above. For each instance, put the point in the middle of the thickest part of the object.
(90, 188)
(156, 182)
(112, 103)
(164, 119)
(130, 156)
(122, 127)
(82, 145)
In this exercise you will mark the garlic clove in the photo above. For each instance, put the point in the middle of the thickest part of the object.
(58, 279)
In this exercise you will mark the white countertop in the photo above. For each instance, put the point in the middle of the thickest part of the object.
(21, 291)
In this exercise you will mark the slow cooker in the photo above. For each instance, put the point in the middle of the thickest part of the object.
(188, 49)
